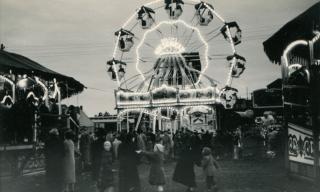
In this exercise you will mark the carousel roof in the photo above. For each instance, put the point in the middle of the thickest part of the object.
(19, 64)
(301, 27)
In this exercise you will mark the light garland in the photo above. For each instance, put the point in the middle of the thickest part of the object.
(206, 52)
(169, 45)
(13, 86)
(172, 46)
(45, 96)
(173, 23)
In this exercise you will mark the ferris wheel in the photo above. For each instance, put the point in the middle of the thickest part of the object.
(174, 43)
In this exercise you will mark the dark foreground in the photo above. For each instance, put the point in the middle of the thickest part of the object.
(235, 176)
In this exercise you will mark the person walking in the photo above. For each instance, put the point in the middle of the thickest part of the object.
(209, 166)
(184, 170)
(53, 158)
(129, 180)
(69, 169)
(96, 151)
(156, 175)
(115, 145)
(85, 143)
(106, 181)
(167, 143)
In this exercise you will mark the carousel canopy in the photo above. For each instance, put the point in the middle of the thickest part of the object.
(20, 65)
(302, 27)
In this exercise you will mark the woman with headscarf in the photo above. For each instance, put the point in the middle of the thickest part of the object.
(156, 158)
(105, 172)
(128, 164)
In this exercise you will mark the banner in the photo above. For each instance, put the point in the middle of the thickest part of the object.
(300, 144)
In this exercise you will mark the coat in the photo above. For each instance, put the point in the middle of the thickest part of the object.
(53, 151)
(128, 170)
(105, 171)
(190, 155)
(96, 152)
(156, 175)
(184, 170)
(209, 165)
(69, 169)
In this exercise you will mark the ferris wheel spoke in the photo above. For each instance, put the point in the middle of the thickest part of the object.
(189, 38)
(134, 26)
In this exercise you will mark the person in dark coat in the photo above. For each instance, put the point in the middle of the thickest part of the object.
(128, 165)
(96, 151)
(106, 180)
(53, 161)
(85, 143)
(184, 170)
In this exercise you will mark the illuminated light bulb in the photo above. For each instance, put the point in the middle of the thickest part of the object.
(169, 45)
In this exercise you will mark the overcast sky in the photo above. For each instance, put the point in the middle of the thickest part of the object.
(75, 37)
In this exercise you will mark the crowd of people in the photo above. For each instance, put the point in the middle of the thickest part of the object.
(104, 153)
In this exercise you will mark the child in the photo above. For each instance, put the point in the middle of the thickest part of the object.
(209, 165)
(156, 176)
(105, 172)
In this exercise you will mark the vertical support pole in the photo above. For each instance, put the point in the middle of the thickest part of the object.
(128, 125)
(154, 122)
(159, 120)
(14, 93)
(35, 127)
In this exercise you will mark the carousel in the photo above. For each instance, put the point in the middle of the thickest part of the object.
(30, 105)
(164, 58)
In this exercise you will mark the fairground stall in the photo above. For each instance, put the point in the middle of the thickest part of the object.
(171, 50)
(30, 105)
(296, 46)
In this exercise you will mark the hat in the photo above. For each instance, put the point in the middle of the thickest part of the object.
(54, 131)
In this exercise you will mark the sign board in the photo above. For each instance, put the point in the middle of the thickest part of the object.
(167, 96)
(300, 144)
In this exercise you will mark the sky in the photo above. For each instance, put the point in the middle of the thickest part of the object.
(76, 38)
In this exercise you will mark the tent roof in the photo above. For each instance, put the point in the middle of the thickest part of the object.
(84, 120)
(276, 84)
(301, 27)
(19, 64)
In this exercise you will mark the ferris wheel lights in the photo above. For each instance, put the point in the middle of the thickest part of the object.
(169, 45)
(236, 33)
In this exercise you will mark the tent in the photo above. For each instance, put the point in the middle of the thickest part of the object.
(20, 65)
(303, 27)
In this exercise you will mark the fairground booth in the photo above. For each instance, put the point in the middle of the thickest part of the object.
(296, 47)
(30, 105)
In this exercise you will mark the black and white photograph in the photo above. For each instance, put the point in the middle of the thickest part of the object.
(160, 96)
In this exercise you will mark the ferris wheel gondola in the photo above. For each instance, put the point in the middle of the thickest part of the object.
(125, 40)
(203, 13)
(145, 16)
